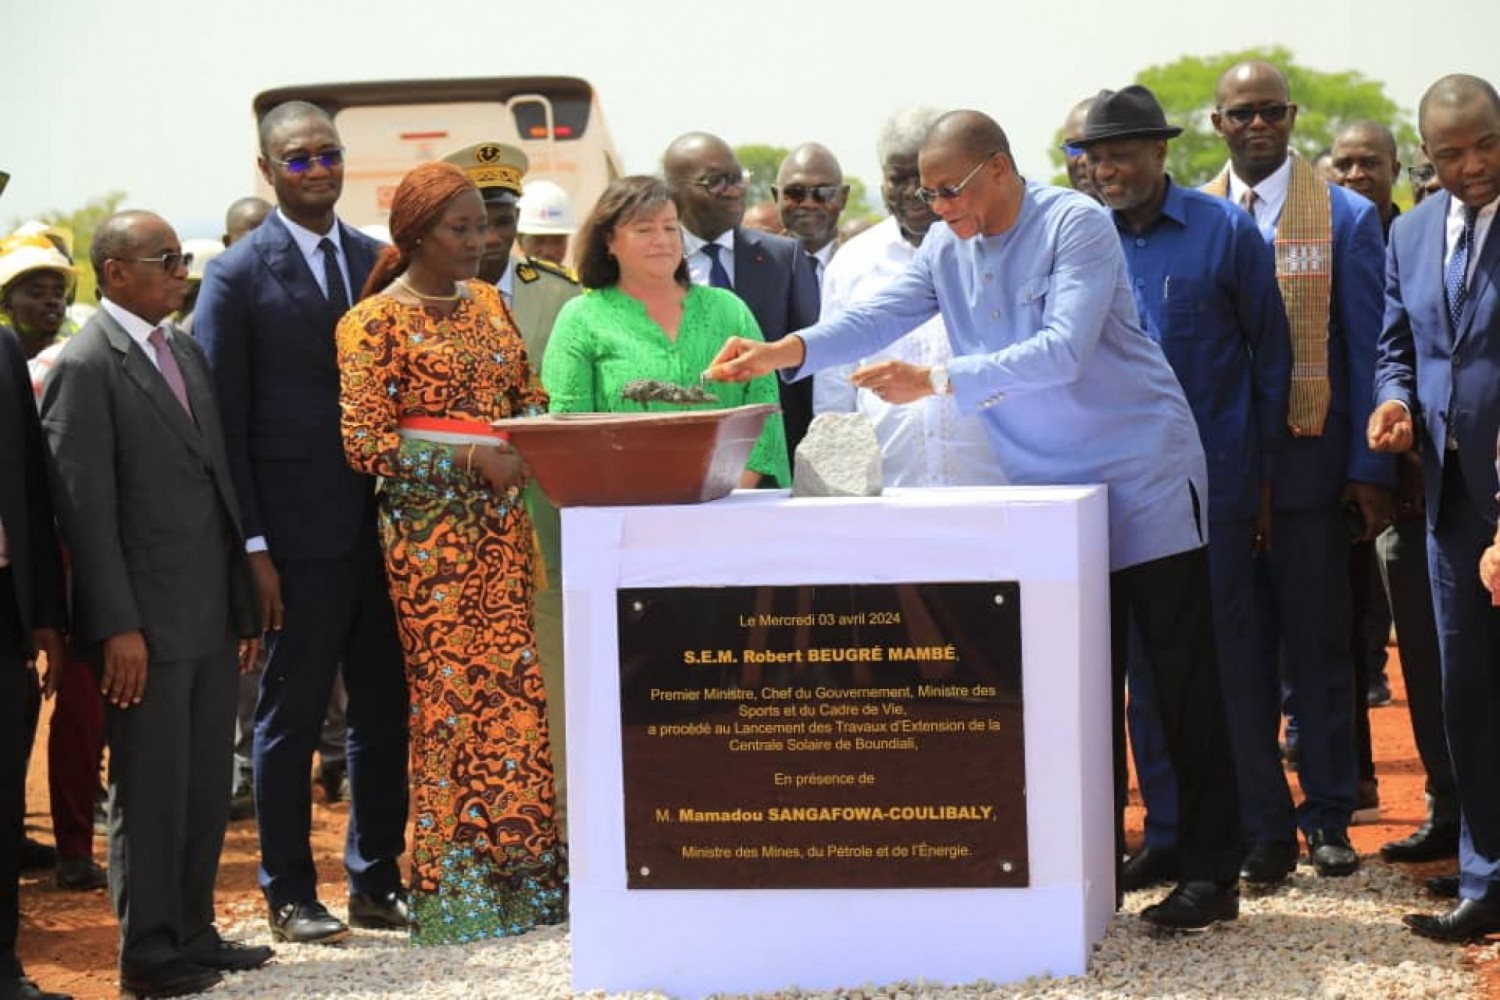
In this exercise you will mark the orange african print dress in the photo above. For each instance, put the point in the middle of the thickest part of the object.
(486, 859)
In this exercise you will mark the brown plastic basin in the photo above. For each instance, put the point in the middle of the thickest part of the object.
(623, 459)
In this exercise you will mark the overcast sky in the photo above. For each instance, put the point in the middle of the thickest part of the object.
(153, 97)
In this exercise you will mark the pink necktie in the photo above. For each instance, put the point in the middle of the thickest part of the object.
(167, 362)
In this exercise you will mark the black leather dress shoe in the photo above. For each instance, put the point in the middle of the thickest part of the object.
(81, 875)
(1269, 862)
(334, 780)
(177, 978)
(1442, 886)
(307, 923)
(1332, 854)
(1430, 842)
(22, 988)
(36, 855)
(384, 912)
(231, 956)
(1147, 867)
(1194, 906)
(1470, 920)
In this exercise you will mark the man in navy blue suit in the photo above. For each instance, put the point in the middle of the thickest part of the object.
(1327, 489)
(33, 612)
(266, 318)
(1438, 383)
(771, 273)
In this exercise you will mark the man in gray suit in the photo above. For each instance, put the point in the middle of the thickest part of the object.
(163, 601)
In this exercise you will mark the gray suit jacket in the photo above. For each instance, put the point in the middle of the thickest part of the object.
(144, 497)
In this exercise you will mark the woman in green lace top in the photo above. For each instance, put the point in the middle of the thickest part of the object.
(643, 319)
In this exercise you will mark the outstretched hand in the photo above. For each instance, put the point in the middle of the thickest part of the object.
(742, 359)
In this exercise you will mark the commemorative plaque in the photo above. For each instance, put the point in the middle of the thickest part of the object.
(829, 736)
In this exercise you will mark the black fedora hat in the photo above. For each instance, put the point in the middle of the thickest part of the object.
(1130, 113)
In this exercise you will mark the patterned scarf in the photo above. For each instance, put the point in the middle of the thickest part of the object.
(1304, 270)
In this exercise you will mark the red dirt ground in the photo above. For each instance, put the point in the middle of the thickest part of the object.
(68, 940)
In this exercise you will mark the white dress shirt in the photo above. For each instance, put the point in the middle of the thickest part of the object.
(307, 241)
(823, 257)
(506, 286)
(1270, 196)
(698, 261)
(1456, 229)
(139, 330)
(926, 443)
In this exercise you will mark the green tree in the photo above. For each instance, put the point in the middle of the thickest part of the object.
(82, 222)
(761, 162)
(858, 206)
(1325, 103)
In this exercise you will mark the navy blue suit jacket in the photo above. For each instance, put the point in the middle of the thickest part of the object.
(774, 277)
(25, 499)
(1449, 378)
(268, 331)
(1312, 472)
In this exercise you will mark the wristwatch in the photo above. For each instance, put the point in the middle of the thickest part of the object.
(937, 377)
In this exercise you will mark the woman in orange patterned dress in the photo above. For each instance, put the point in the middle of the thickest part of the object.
(428, 358)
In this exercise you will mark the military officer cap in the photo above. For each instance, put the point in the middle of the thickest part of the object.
(495, 168)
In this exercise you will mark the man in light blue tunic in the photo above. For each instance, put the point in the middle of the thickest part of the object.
(1047, 346)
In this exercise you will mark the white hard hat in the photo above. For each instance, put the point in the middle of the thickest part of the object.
(546, 210)
(203, 251)
(22, 254)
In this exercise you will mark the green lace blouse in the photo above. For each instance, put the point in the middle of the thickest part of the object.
(604, 338)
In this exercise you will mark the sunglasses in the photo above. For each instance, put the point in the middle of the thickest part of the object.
(948, 192)
(302, 163)
(1269, 113)
(717, 184)
(1421, 175)
(1071, 151)
(169, 262)
(821, 193)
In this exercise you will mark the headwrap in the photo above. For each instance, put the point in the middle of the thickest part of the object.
(416, 206)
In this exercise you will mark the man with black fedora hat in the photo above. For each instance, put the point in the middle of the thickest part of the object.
(1204, 283)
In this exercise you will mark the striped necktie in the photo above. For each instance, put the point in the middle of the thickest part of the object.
(1456, 279)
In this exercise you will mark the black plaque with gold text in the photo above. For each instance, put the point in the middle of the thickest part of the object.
(829, 736)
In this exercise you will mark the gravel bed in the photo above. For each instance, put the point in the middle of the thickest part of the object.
(1330, 939)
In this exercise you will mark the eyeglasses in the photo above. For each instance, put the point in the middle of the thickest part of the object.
(950, 191)
(302, 163)
(1269, 113)
(169, 262)
(1421, 175)
(717, 184)
(821, 193)
(1071, 151)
